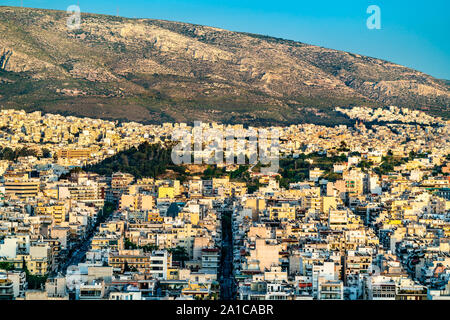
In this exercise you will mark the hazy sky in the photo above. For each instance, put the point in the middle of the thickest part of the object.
(413, 33)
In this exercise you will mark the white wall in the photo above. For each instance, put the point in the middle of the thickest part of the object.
(9, 248)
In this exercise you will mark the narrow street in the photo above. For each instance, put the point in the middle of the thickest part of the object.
(78, 253)
(227, 286)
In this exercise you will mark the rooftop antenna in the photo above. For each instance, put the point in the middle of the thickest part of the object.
(117, 11)
(21, 3)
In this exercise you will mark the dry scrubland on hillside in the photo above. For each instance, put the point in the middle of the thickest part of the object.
(154, 70)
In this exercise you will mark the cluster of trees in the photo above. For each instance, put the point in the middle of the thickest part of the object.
(152, 160)
(35, 282)
(179, 254)
(8, 266)
(297, 169)
(388, 164)
(414, 155)
(147, 160)
(212, 171)
(131, 246)
(291, 170)
(365, 165)
(12, 155)
(240, 174)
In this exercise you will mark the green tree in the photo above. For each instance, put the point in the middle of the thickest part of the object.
(46, 153)
(126, 268)
(8, 266)
(130, 245)
(179, 254)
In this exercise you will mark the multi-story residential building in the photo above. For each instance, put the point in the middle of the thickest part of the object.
(6, 288)
(373, 225)
(22, 188)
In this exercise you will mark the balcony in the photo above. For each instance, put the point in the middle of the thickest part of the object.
(6, 289)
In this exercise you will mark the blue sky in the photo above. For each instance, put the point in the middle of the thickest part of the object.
(413, 33)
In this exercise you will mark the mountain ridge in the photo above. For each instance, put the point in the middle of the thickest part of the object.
(151, 70)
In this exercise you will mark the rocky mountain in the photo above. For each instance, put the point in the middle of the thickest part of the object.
(153, 70)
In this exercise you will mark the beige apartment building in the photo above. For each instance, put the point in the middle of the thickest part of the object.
(22, 188)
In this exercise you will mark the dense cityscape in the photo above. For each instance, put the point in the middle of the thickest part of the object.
(95, 210)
